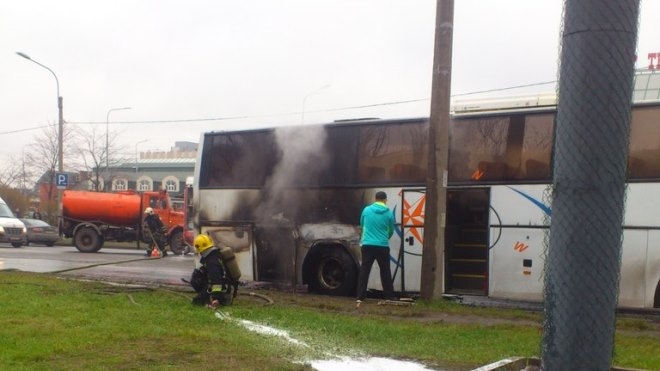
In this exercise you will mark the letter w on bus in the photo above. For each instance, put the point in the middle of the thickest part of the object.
(520, 247)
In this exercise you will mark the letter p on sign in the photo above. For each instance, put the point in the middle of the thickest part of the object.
(62, 180)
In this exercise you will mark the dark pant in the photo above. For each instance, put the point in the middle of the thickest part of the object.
(382, 256)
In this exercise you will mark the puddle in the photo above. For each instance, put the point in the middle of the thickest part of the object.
(334, 362)
(368, 364)
(34, 265)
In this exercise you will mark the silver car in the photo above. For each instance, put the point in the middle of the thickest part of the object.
(38, 231)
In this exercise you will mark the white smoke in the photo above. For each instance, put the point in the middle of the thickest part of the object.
(302, 159)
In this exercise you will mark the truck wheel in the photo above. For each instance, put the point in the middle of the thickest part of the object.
(333, 273)
(87, 240)
(176, 243)
(16, 244)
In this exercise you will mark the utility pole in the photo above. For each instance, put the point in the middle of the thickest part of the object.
(432, 275)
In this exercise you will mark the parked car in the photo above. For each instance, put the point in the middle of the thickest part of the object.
(38, 231)
(12, 230)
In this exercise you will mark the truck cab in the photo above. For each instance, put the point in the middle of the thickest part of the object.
(171, 217)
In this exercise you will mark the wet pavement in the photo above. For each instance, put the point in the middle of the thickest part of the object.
(122, 265)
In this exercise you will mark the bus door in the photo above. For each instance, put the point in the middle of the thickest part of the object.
(410, 228)
(275, 247)
(466, 241)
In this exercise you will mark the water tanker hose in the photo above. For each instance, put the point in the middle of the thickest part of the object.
(101, 264)
(265, 298)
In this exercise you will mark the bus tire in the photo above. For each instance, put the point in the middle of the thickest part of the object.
(333, 273)
(87, 240)
(176, 243)
(656, 298)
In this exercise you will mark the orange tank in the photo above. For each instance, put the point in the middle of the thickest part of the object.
(119, 209)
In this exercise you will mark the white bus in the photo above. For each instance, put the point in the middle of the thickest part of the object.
(288, 200)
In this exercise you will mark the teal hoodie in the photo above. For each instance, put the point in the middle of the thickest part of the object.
(377, 225)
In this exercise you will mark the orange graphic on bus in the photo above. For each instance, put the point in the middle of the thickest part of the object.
(413, 215)
(520, 247)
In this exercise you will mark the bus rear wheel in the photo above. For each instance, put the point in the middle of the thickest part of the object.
(333, 273)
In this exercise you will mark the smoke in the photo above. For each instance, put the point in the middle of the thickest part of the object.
(303, 159)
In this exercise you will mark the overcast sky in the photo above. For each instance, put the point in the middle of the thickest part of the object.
(186, 67)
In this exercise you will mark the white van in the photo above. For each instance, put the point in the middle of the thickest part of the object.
(12, 230)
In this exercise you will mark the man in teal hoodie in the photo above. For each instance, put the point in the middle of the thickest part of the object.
(377, 222)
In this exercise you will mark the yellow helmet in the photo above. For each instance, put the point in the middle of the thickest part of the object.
(202, 243)
(148, 211)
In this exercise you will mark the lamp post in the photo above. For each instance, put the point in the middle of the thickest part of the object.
(107, 142)
(136, 160)
(302, 119)
(60, 139)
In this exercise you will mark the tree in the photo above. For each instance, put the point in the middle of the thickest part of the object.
(98, 156)
(13, 198)
(42, 156)
(15, 173)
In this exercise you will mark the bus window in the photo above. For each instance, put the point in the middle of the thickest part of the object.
(644, 155)
(393, 154)
(500, 148)
(240, 159)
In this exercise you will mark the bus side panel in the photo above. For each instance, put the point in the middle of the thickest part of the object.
(632, 285)
(516, 263)
(642, 205)
(226, 205)
(523, 205)
(652, 276)
(518, 218)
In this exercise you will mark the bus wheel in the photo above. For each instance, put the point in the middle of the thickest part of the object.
(656, 300)
(87, 240)
(176, 243)
(333, 273)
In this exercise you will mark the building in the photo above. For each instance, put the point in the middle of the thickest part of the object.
(149, 171)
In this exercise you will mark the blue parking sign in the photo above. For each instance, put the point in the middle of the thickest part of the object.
(62, 180)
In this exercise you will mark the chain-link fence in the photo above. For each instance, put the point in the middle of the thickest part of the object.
(588, 191)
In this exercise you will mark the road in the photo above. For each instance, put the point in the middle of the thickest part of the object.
(122, 265)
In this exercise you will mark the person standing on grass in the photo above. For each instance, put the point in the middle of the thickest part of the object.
(377, 222)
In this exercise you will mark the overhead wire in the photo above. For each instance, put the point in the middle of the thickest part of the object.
(245, 117)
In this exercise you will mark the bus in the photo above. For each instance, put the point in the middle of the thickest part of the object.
(288, 200)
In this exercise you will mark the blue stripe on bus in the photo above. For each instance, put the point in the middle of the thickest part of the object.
(536, 202)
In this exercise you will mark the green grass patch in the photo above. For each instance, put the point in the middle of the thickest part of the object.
(50, 323)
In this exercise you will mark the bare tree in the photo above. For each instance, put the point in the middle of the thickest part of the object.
(14, 174)
(96, 156)
(42, 157)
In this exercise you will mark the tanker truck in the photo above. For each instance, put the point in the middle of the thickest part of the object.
(91, 218)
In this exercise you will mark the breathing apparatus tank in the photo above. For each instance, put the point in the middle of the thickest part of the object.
(229, 261)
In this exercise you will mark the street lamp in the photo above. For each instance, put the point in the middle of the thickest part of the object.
(107, 146)
(302, 119)
(60, 139)
(136, 159)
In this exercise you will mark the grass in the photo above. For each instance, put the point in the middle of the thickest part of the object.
(48, 323)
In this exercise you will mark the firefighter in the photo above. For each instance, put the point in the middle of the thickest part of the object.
(157, 230)
(209, 280)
